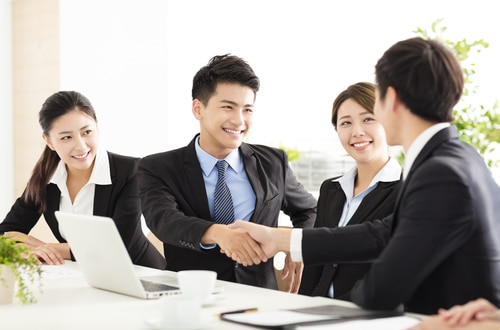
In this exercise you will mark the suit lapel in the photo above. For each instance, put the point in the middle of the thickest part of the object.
(335, 199)
(252, 170)
(101, 199)
(103, 192)
(443, 135)
(196, 185)
(370, 202)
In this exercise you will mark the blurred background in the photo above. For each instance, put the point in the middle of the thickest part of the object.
(135, 60)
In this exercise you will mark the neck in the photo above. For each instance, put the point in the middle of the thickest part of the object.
(413, 127)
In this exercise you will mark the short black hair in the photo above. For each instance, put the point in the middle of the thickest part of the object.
(426, 75)
(223, 69)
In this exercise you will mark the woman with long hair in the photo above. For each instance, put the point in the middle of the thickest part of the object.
(74, 174)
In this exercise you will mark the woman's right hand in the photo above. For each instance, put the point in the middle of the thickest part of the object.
(51, 254)
(479, 309)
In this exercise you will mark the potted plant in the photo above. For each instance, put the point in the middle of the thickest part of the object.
(18, 267)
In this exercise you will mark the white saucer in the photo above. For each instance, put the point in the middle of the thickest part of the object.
(214, 299)
(205, 323)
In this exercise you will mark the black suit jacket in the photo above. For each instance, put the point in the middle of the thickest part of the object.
(442, 243)
(120, 201)
(316, 279)
(175, 206)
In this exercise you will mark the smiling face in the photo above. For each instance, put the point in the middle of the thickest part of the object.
(74, 137)
(226, 118)
(361, 135)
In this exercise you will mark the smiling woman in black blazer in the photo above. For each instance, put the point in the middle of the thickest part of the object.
(367, 191)
(74, 175)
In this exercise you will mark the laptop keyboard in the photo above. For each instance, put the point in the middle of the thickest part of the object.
(155, 286)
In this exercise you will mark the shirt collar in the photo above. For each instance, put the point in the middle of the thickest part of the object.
(389, 173)
(100, 173)
(208, 162)
(419, 143)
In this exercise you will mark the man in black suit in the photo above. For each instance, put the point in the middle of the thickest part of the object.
(441, 246)
(177, 186)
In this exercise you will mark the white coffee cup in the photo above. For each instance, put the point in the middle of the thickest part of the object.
(197, 283)
(179, 311)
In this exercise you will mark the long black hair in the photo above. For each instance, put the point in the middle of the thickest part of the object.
(55, 106)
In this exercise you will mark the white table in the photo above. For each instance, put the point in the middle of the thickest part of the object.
(68, 302)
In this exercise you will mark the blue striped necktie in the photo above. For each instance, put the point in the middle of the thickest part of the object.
(223, 203)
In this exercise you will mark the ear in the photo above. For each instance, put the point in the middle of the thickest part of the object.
(197, 108)
(47, 142)
(391, 99)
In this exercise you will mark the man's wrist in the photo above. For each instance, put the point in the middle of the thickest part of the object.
(291, 241)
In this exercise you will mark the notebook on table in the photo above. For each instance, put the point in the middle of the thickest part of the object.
(103, 258)
(317, 315)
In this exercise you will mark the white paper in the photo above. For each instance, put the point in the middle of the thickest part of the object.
(388, 323)
(52, 272)
(276, 318)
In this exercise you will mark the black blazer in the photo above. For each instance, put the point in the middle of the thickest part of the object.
(442, 243)
(120, 201)
(175, 206)
(316, 279)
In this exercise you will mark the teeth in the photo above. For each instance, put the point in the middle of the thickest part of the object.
(361, 144)
(82, 156)
(232, 131)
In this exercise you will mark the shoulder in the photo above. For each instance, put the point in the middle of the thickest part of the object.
(165, 156)
(168, 161)
(122, 158)
(331, 183)
(263, 151)
(121, 164)
(452, 159)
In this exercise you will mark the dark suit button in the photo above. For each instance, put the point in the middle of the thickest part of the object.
(334, 266)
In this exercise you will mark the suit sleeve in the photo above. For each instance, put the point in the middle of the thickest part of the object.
(355, 243)
(22, 217)
(125, 205)
(435, 217)
(168, 204)
(299, 204)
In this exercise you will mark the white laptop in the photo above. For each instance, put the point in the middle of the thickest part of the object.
(103, 258)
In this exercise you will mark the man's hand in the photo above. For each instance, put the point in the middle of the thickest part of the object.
(261, 234)
(237, 244)
(292, 271)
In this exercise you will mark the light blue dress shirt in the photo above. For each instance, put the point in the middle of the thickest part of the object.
(242, 193)
(389, 173)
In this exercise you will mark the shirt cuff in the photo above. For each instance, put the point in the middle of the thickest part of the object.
(296, 245)
(207, 246)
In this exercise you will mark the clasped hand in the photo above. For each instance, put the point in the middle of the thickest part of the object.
(254, 244)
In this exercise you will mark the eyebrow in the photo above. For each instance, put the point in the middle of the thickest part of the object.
(69, 132)
(234, 103)
(362, 113)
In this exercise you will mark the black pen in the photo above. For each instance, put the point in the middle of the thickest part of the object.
(247, 310)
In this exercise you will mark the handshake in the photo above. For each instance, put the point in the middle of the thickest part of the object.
(254, 243)
(250, 244)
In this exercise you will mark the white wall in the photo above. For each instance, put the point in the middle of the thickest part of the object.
(135, 59)
(6, 133)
